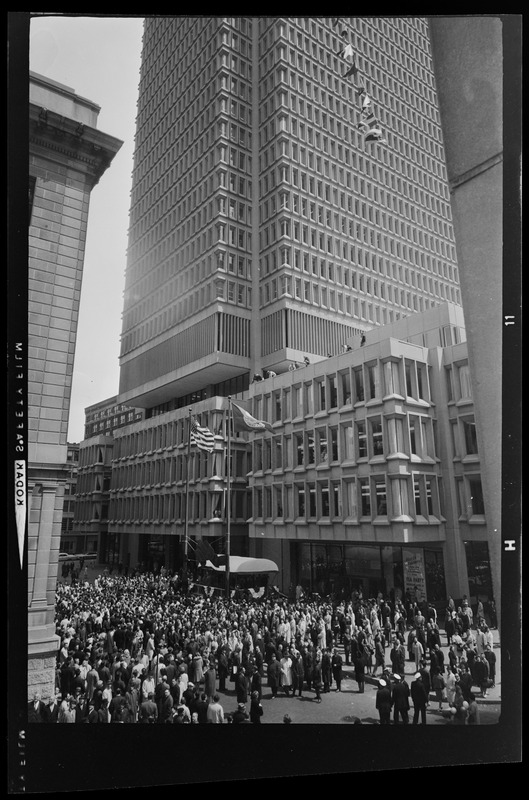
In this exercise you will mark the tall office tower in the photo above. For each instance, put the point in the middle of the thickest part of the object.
(289, 191)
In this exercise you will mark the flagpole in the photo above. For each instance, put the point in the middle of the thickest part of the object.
(228, 502)
(186, 517)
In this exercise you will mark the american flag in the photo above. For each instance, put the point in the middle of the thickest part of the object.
(202, 437)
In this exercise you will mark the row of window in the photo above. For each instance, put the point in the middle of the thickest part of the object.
(378, 171)
(164, 242)
(324, 297)
(170, 508)
(376, 498)
(402, 119)
(299, 232)
(374, 380)
(348, 442)
(110, 424)
(368, 260)
(170, 434)
(376, 36)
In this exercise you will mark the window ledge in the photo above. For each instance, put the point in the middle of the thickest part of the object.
(471, 459)
(393, 456)
(477, 519)
(381, 521)
(393, 396)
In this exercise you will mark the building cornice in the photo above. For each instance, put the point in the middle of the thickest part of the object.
(91, 149)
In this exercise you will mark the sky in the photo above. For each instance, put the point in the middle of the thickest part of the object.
(99, 58)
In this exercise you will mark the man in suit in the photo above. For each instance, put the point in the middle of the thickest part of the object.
(241, 686)
(398, 657)
(51, 710)
(383, 702)
(166, 706)
(401, 702)
(274, 674)
(419, 698)
(36, 709)
(148, 710)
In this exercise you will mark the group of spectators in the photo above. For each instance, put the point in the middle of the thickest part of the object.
(471, 663)
(137, 649)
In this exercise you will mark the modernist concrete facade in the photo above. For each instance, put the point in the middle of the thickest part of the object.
(265, 228)
(370, 477)
(67, 157)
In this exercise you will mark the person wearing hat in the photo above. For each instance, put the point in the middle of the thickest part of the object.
(401, 702)
(383, 702)
(240, 715)
(419, 697)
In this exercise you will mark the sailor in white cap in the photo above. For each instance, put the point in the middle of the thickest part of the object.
(383, 702)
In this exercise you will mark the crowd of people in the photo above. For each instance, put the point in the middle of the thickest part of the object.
(138, 649)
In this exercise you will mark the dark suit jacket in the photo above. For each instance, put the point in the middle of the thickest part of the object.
(418, 692)
(36, 714)
(383, 700)
(51, 714)
(401, 694)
